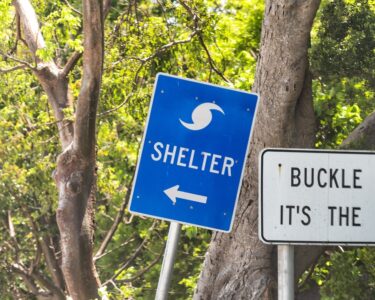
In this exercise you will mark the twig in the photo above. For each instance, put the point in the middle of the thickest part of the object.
(309, 274)
(143, 271)
(129, 240)
(170, 45)
(117, 221)
(129, 261)
(115, 286)
(157, 52)
(132, 258)
(73, 8)
(4, 71)
(25, 63)
(211, 61)
(115, 108)
(195, 18)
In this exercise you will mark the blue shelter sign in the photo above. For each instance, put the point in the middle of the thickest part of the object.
(193, 153)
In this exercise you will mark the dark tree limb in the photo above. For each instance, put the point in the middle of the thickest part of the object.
(71, 63)
(198, 30)
(115, 224)
(144, 270)
(4, 71)
(73, 8)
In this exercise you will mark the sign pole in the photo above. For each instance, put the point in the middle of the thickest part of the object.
(285, 267)
(168, 261)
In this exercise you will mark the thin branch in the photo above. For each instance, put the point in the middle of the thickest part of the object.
(129, 261)
(19, 33)
(71, 63)
(143, 271)
(117, 107)
(157, 51)
(116, 223)
(4, 71)
(170, 45)
(43, 243)
(309, 274)
(211, 61)
(73, 8)
(116, 287)
(133, 257)
(27, 279)
(48, 284)
(129, 240)
(195, 18)
(22, 62)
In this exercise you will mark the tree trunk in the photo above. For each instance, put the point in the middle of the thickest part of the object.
(75, 175)
(238, 265)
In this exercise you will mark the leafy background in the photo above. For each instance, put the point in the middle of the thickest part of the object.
(210, 40)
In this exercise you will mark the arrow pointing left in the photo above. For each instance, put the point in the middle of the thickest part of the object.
(173, 193)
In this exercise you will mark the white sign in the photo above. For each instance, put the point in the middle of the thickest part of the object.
(317, 197)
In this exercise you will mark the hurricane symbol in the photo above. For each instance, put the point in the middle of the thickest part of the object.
(202, 116)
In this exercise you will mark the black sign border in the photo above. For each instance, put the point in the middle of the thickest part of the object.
(260, 198)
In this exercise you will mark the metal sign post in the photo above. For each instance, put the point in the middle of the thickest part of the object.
(285, 270)
(192, 158)
(320, 197)
(168, 261)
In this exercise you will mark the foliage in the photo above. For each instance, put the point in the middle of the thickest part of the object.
(343, 64)
(347, 274)
(141, 39)
(211, 40)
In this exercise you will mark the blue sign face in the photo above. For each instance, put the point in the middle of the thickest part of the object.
(193, 153)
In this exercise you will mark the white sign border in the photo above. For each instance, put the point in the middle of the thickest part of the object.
(143, 142)
(260, 198)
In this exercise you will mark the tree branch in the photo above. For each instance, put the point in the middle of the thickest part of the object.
(4, 71)
(72, 8)
(169, 45)
(85, 126)
(22, 62)
(31, 29)
(132, 258)
(71, 63)
(143, 271)
(195, 18)
(29, 281)
(107, 112)
(362, 137)
(129, 240)
(48, 73)
(115, 224)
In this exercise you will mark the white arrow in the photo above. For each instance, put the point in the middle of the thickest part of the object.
(174, 193)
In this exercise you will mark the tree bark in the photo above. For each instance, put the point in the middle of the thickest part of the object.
(75, 175)
(238, 265)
